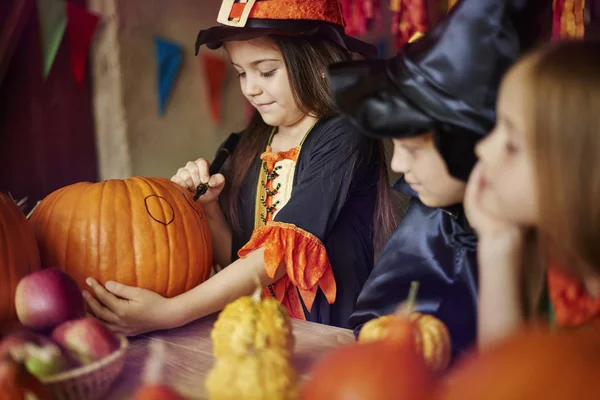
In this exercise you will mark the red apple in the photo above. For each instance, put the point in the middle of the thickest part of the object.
(41, 355)
(46, 298)
(87, 339)
(18, 384)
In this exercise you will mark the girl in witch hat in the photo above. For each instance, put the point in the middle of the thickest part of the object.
(539, 234)
(303, 196)
(435, 100)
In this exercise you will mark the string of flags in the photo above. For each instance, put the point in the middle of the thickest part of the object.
(64, 20)
(58, 19)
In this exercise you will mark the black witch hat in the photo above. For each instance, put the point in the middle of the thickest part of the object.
(446, 82)
(248, 19)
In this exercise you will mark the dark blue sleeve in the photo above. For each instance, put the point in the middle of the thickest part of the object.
(431, 247)
(323, 185)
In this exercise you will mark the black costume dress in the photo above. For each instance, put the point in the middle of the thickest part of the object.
(324, 231)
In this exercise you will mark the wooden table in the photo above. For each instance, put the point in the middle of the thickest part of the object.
(189, 355)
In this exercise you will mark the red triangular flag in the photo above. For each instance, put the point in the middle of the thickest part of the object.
(80, 30)
(215, 72)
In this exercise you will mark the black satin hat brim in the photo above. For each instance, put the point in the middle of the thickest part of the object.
(216, 36)
(363, 91)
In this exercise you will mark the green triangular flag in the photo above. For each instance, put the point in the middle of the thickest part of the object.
(53, 22)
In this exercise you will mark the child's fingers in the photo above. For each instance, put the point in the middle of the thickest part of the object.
(98, 310)
(194, 172)
(184, 176)
(203, 167)
(216, 181)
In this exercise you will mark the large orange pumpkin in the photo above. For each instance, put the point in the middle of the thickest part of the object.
(144, 232)
(532, 364)
(18, 255)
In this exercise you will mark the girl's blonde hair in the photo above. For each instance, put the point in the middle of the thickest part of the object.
(564, 83)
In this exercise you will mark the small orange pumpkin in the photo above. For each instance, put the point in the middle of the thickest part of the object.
(145, 232)
(431, 337)
(19, 255)
(388, 369)
(391, 368)
(535, 363)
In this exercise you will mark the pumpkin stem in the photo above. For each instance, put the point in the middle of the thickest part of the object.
(33, 209)
(257, 292)
(406, 308)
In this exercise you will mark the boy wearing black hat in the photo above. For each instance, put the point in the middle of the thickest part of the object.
(435, 100)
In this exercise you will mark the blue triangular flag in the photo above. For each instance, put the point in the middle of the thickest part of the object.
(168, 57)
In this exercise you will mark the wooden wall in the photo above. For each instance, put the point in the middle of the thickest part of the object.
(46, 126)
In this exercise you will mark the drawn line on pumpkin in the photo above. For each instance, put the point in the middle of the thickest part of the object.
(152, 216)
(191, 205)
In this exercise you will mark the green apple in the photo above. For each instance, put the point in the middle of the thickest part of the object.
(43, 361)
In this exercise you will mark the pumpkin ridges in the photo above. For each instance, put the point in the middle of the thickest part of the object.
(183, 221)
(5, 259)
(169, 254)
(116, 244)
(173, 256)
(166, 255)
(19, 255)
(131, 238)
(192, 226)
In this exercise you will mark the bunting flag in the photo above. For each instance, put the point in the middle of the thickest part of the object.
(215, 72)
(80, 30)
(410, 18)
(568, 19)
(168, 57)
(53, 22)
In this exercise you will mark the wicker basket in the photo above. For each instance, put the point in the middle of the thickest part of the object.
(90, 382)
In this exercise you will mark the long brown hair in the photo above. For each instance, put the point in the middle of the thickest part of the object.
(564, 83)
(306, 59)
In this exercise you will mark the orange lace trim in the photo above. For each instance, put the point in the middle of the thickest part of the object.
(306, 262)
(571, 303)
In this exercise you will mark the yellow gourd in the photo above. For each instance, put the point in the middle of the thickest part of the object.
(250, 323)
(431, 336)
(257, 375)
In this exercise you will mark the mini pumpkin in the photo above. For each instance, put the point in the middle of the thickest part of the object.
(144, 232)
(256, 375)
(19, 255)
(387, 369)
(251, 323)
(431, 337)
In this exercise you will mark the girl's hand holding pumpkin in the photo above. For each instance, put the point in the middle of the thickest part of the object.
(129, 310)
(195, 173)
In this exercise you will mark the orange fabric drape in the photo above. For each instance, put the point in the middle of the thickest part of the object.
(306, 262)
